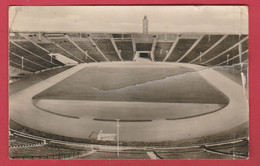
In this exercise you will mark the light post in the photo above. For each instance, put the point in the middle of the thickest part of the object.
(117, 131)
(200, 56)
(86, 53)
(22, 62)
(119, 51)
(145, 25)
(227, 58)
(166, 52)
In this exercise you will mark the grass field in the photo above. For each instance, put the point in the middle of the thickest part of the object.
(136, 83)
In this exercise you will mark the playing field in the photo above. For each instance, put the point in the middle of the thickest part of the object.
(153, 101)
(137, 83)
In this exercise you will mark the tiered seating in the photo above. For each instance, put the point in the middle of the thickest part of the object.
(193, 154)
(17, 62)
(161, 49)
(244, 68)
(122, 36)
(54, 49)
(245, 45)
(117, 36)
(240, 148)
(169, 37)
(100, 35)
(86, 45)
(126, 48)
(206, 42)
(224, 45)
(15, 36)
(113, 155)
(38, 51)
(233, 52)
(67, 45)
(245, 57)
(105, 45)
(244, 48)
(144, 41)
(18, 141)
(35, 37)
(226, 150)
(41, 152)
(30, 61)
(143, 46)
(123, 42)
(181, 47)
(127, 36)
(74, 35)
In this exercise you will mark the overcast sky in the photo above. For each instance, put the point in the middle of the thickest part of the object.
(219, 19)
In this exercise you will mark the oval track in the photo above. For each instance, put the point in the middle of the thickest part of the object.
(23, 111)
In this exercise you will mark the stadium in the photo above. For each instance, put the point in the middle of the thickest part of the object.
(100, 95)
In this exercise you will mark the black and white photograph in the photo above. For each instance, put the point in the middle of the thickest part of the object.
(128, 82)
